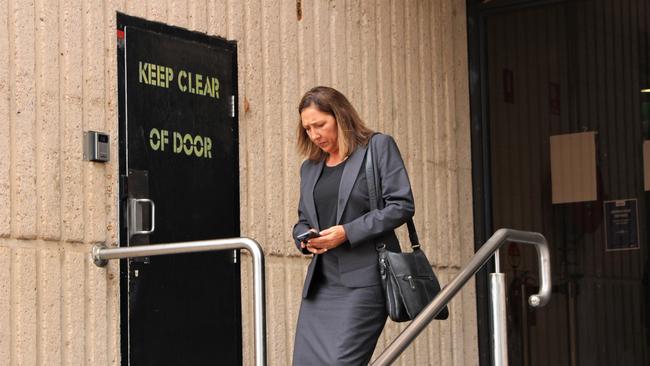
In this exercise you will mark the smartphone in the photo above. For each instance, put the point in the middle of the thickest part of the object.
(307, 235)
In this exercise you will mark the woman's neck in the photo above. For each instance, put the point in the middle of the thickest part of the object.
(334, 159)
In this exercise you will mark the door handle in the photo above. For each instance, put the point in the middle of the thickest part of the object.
(134, 228)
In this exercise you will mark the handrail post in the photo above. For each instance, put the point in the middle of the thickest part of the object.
(100, 255)
(498, 320)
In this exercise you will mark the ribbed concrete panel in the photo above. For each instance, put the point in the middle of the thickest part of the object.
(271, 131)
(24, 302)
(442, 136)
(413, 97)
(198, 16)
(217, 18)
(5, 118)
(277, 326)
(469, 331)
(461, 154)
(396, 124)
(384, 75)
(317, 13)
(408, 357)
(426, 220)
(421, 350)
(113, 332)
(93, 118)
(369, 65)
(467, 338)
(5, 304)
(96, 320)
(289, 54)
(433, 341)
(73, 308)
(248, 348)
(391, 331)
(435, 162)
(284, 280)
(47, 122)
(111, 114)
(255, 216)
(338, 30)
(352, 44)
(461, 88)
(295, 272)
(138, 8)
(235, 29)
(455, 324)
(177, 12)
(23, 115)
(412, 146)
(156, 11)
(71, 108)
(442, 334)
(305, 45)
(49, 307)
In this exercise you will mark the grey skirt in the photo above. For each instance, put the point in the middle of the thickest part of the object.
(338, 325)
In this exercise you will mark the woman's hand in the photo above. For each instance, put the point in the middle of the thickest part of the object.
(328, 239)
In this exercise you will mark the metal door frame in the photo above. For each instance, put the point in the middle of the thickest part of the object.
(477, 11)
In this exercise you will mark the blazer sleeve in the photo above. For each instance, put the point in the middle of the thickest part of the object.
(303, 224)
(395, 191)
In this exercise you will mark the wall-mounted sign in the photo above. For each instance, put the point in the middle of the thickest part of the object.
(621, 225)
(573, 167)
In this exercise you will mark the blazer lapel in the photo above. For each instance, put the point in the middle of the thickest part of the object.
(350, 174)
(311, 204)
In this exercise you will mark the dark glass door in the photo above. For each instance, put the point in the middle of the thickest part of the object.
(180, 183)
(569, 80)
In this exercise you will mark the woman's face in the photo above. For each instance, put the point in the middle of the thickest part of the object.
(321, 129)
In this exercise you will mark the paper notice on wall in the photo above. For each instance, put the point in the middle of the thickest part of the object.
(646, 164)
(621, 224)
(573, 167)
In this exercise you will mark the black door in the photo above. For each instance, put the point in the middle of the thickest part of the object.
(179, 166)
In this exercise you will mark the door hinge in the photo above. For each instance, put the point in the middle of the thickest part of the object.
(232, 106)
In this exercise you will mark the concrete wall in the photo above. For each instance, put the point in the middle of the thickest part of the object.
(402, 63)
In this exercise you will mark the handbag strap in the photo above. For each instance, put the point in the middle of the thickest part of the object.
(374, 197)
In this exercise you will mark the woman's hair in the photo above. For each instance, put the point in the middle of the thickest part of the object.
(352, 132)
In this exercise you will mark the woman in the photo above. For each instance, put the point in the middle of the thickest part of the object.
(343, 310)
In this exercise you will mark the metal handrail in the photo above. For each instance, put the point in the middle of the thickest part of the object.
(418, 324)
(101, 255)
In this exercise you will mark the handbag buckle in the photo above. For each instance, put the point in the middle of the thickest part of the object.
(411, 282)
(416, 246)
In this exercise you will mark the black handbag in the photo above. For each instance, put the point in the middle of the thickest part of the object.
(407, 278)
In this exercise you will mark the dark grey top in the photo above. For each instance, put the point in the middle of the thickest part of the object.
(326, 193)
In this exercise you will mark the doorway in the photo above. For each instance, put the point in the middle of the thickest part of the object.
(179, 181)
(556, 76)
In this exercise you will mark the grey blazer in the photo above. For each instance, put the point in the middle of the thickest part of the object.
(357, 257)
